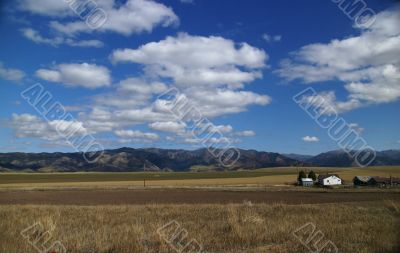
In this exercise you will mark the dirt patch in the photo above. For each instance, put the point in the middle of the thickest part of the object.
(158, 196)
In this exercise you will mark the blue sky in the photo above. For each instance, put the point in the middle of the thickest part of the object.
(238, 62)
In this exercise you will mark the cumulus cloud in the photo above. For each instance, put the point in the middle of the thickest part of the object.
(208, 70)
(84, 75)
(196, 60)
(31, 126)
(136, 134)
(310, 139)
(169, 126)
(213, 140)
(46, 7)
(217, 71)
(129, 94)
(11, 74)
(368, 65)
(246, 133)
(213, 103)
(36, 37)
(221, 128)
(131, 17)
(134, 101)
(138, 85)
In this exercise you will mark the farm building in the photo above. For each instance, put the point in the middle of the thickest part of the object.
(376, 181)
(329, 179)
(362, 180)
(307, 182)
(385, 181)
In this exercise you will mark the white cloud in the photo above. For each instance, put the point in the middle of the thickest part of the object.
(246, 133)
(104, 118)
(192, 141)
(325, 103)
(169, 126)
(46, 7)
(130, 93)
(131, 17)
(11, 74)
(221, 128)
(138, 85)
(133, 102)
(84, 43)
(135, 134)
(217, 102)
(35, 36)
(213, 140)
(310, 139)
(84, 74)
(195, 60)
(30, 126)
(271, 38)
(356, 128)
(368, 64)
(207, 70)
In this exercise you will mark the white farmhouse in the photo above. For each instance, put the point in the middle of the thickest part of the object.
(329, 179)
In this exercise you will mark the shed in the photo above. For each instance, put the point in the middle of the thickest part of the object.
(307, 182)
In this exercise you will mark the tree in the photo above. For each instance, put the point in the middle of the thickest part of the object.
(302, 174)
(312, 175)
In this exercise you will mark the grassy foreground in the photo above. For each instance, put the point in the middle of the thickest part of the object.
(255, 228)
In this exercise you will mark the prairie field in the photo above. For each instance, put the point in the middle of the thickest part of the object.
(215, 212)
(232, 228)
(267, 176)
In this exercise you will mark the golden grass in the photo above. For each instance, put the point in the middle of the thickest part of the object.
(250, 228)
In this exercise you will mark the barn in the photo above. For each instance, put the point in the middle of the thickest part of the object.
(362, 180)
(329, 179)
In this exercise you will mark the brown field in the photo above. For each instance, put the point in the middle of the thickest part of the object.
(188, 196)
(231, 228)
(246, 212)
(267, 176)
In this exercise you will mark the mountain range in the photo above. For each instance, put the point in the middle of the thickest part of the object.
(155, 159)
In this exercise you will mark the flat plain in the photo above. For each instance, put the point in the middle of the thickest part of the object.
(267, 176)
(225, 212)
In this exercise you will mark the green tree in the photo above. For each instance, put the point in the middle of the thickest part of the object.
(312, 175)
(302, 174)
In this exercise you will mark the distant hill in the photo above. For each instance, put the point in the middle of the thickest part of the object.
(129, 159)
(339, 158)
(154, 159)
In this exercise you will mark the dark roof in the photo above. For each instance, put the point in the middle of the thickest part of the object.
(322, 177)
(364, 179)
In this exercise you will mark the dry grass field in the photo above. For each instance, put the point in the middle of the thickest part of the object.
(268, 176)
(247, 212)
(234, 228)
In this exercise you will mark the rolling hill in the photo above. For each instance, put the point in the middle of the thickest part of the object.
(154, 159)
